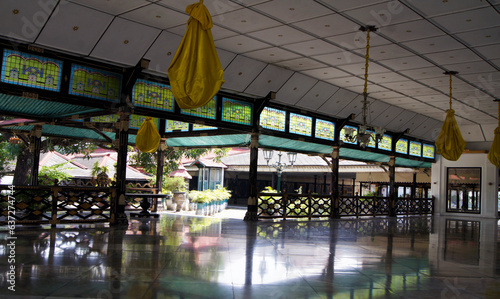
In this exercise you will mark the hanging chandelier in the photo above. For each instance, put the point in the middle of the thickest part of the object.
(366, 133)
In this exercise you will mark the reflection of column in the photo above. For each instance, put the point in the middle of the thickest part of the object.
(119, 203)
(250, 246)
(334, 185)
(388, 256)
(330, 267)
(115, 257)
(251, 214)
(392, 186)
(35, 147)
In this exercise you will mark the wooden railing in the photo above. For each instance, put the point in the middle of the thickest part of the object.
(293, 205)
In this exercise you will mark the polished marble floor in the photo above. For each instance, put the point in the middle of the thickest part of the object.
(184, 256)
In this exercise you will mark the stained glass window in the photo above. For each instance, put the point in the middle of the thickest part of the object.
(237, 111)
(429, 151)
(273, 119)
(385, 143)
(325, 130)
(110, 118)
(198, 127)
(31, 70)
(206, 111)
(300, 124)
(372, 142)
(175, 125)
(153, 95)
(94, 83)
(137, 120)
(348, 134)
(402, 146)
(415, 148)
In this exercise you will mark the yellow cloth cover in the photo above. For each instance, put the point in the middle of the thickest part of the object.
(494, 154)
(450, 143)
(148, 138)
(196, 73)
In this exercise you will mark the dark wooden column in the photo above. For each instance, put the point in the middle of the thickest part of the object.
(392, 186)
(334, 184)
(251, 214)
(119, 203)
(160, 164)
(35, 148)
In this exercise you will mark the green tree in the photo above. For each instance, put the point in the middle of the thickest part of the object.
(48, 174)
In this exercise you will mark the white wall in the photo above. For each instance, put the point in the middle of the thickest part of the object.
(489, 184)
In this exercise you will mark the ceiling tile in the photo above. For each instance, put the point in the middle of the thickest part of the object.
(489, 52)
(326, 73)
(402, 85)
(469, 20)
(217, 32)
(351, 4)
(301, 64)
(399, 122)
(340, 58)
(292, 10)
(470, 67)
(406, 63)
(359, 68)
(114, 7)
(240, 44)
(386, 116)
(472, 133)
(162, 52)
(396, 101)
(280, 35)
(245, 20)
(411, 31)
(129, 41)
(295, 88)
(347, 82)
(18, 19)
(433, 98)
(488, 131)
(313, 47)
(481, 37)
(214, 7)
(156, 16)
(415, 121)
(225, 57)
(356, 40)
(241, 72)
(385, 95)
(434, 44)
(424, 73)
(457, 56)
(272, 55)
(432, 8)
(337, 102)
(429, 129)
(385, 52)
(381, 78)
(329, 25)
(270, 79)
(74, 28)
(317, 96)
(383, 14)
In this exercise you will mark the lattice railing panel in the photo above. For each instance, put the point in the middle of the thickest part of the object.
(270, 205)
(27, 204)
(83, 203)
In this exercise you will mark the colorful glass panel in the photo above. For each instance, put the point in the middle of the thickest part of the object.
(110, 118)
(175, 125)
(137, 120)
(206, 111)
(153, 95)
(402, 146)
(300, 124)
(325, 130)
(385, 143)
(237, 111)
(198, 127)
(31, 70)
(415, 148)
(94, 83)
(348, 134)
(273, 119)
(429, 151)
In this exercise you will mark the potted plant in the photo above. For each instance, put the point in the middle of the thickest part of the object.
(177, 185)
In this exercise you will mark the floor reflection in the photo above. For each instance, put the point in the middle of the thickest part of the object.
(203, 257)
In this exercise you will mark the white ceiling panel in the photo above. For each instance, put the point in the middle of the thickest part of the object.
(245, 20)
(300, 64)
(383, 95)
(317, 96)
(326, 73)
(489, 131)
(347, 82)
(481, 37)
(359, 68)
(270, 79)
(489, 52)
(468, 20)
(434, 44)
(356, 40)
(386, 52)
(471, 67)
(225, 57)
(354, 106)
(406, 63)
(128, 40)
(351, 4)
(241, 72)
(413, 30)
(216, 8)
(381, 78)
(23, 19)
(272, 55)
(430, 127)
(337, 102)
(217, 32)
(386, 116)
(329, 25)
(340, 58)
(472, 133)
(240, 44)
(313, 47)
(424, 73)
(157, 16)
(383, 14)
(431, 8)
(399, 122)
(163, 51)
(415, 122)
(292, 10)
(74, 28)
(295, 88)
(114, 7)
(457, 56)
(281, 35)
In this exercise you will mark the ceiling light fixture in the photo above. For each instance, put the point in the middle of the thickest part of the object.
(366, 133)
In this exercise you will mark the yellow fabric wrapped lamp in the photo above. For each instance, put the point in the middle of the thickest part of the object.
(147, 139)
(196, 73)
(450, 143)
(494, 154)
